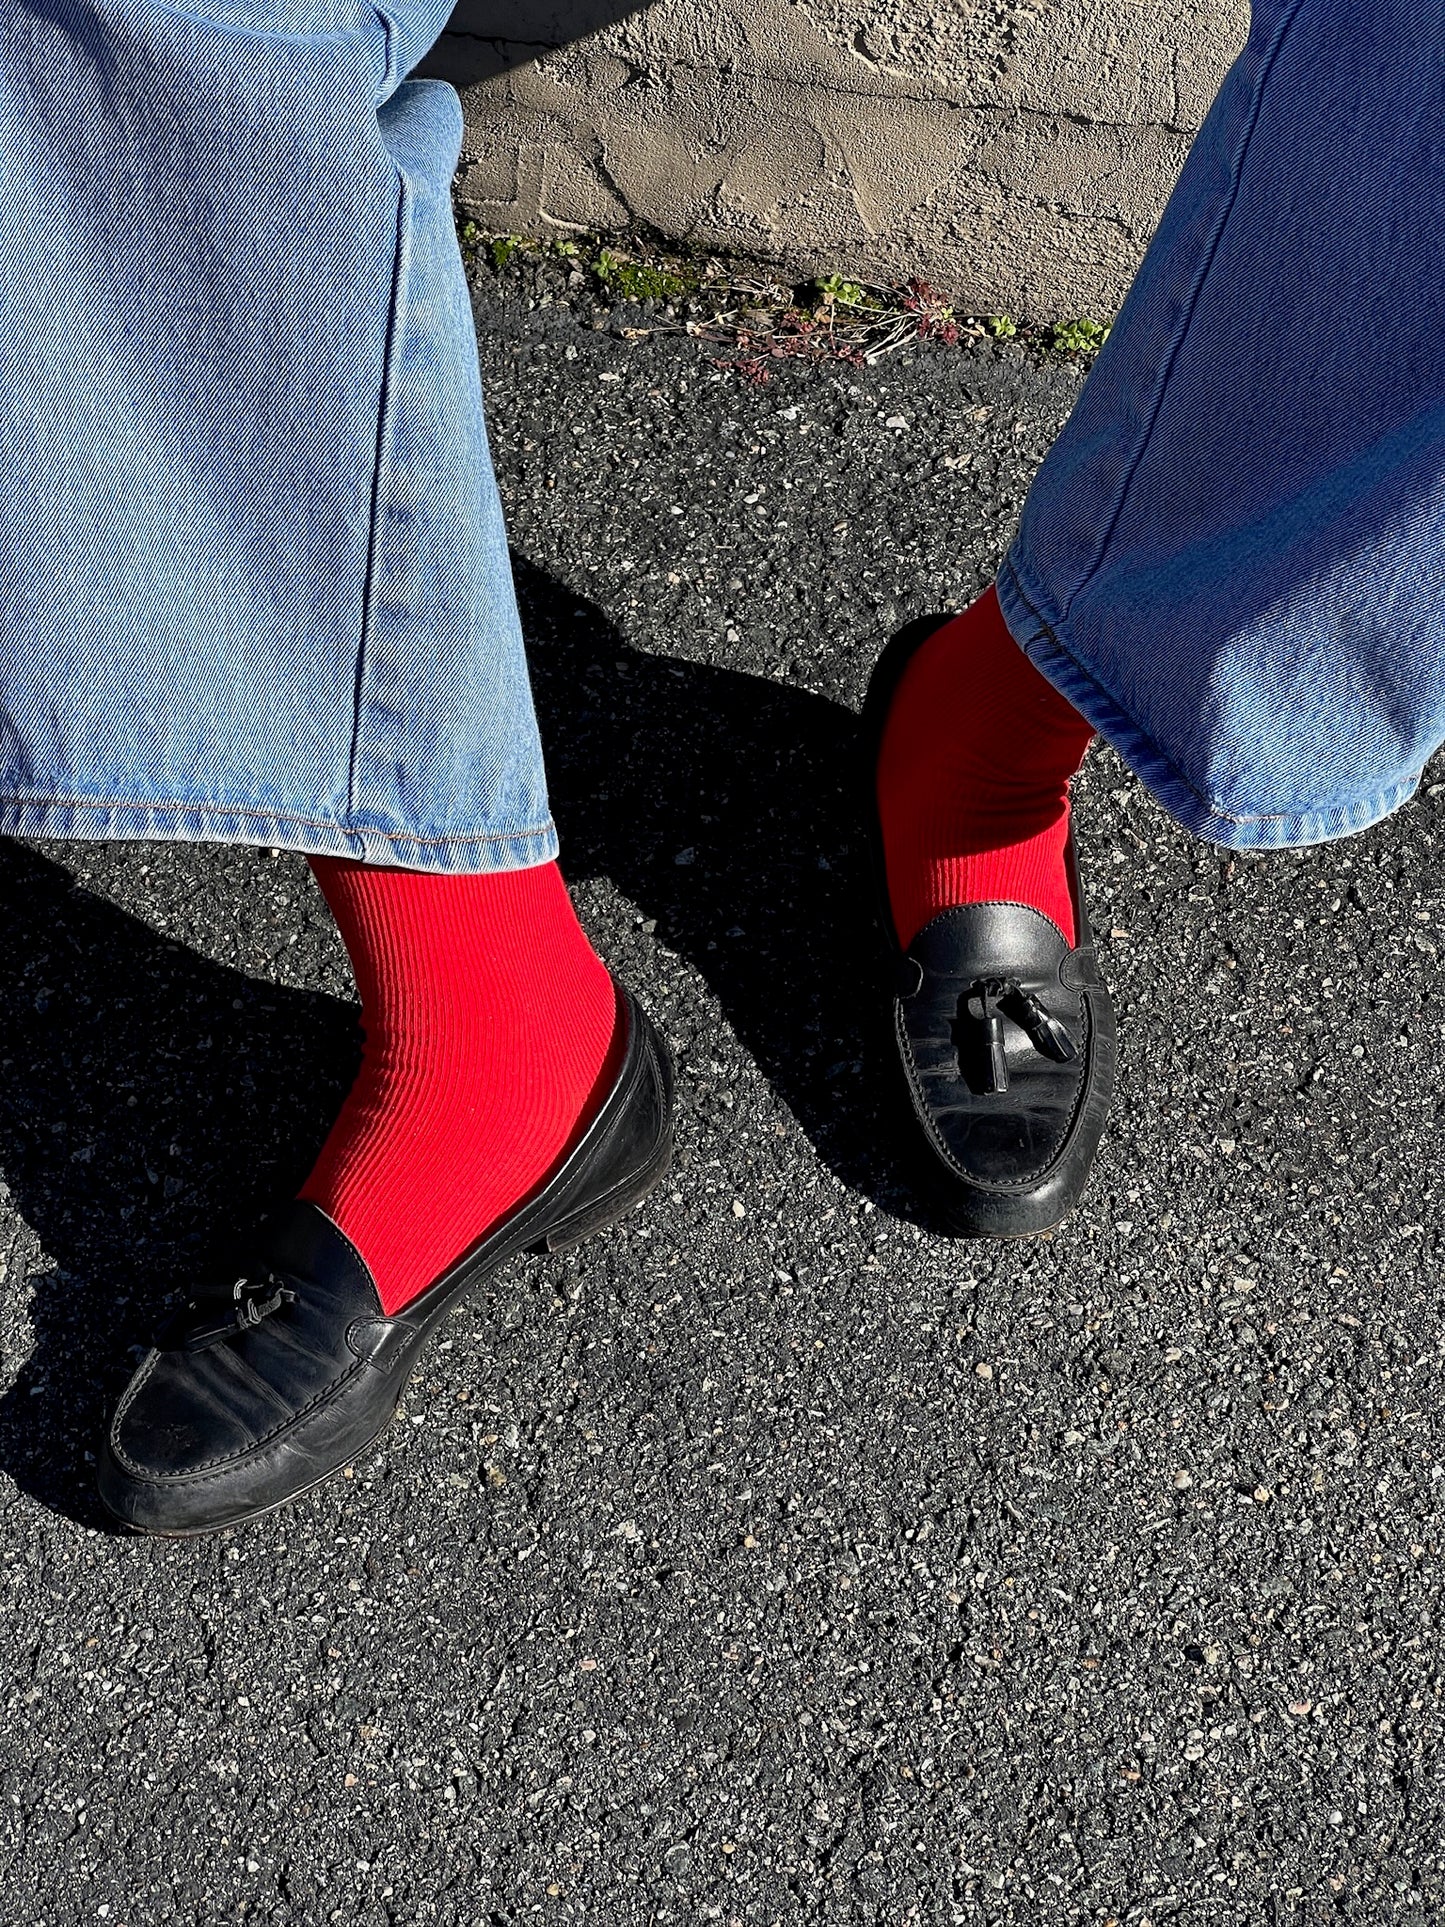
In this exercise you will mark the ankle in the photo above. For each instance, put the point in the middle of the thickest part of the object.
(490, 1023)
(973, 778)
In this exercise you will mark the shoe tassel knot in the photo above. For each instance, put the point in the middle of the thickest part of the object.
(989, 1000)
(223, 1312)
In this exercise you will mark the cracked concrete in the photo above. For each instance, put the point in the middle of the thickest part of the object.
(1015, 152)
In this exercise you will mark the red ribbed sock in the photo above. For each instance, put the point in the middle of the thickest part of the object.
(973, 777)
(488, 1020)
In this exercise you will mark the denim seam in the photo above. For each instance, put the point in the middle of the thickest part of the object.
(390, 352)
(219, 812)
(1191, 303)
(1289, 813)
(387, 83)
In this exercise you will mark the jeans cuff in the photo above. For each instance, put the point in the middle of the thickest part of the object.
(66, 818)
(1292, 829)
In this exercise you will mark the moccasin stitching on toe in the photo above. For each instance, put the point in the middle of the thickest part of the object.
(261, 1389)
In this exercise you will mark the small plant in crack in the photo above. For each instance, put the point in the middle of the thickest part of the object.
(638, 281)
(1078, 337)
(837, 292)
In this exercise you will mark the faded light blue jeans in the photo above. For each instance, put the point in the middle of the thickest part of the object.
(1233, 560)
(254, 583)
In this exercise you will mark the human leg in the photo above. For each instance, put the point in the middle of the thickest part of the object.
(1233, 559)
(243, 428)
(254, 583)
(973, 777)
(489, 1021)
(1230, 562)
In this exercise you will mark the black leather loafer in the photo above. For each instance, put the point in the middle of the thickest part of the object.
(1004, 1034)
(258, 1391)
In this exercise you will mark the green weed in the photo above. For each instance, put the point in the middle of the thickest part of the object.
(1078, 337)
(635, 281)
(842, 294)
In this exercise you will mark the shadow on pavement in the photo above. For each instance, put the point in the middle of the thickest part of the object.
(484, 38)
(723, 804)
(152, 1105)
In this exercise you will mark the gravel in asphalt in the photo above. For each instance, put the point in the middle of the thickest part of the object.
(769, 1558)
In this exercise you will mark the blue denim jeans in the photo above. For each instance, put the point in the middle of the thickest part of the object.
(1233, 559)
(253, 575)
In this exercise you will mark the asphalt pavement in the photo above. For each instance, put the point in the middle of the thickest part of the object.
(769, 1558)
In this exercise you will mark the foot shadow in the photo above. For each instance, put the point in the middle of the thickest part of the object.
(726, 807)
(152, 1106)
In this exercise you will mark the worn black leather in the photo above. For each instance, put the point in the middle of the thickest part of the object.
(261, 1388)
(1004, 1035)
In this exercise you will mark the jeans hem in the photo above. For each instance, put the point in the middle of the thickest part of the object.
(1296, 827)
(479, 853)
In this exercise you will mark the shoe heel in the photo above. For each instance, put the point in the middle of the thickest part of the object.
(613, 1205)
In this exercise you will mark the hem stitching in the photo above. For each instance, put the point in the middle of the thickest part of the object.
(16, 800)
(1290, 814)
